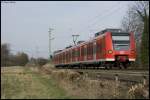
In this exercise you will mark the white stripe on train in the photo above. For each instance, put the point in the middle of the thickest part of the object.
(89, 61)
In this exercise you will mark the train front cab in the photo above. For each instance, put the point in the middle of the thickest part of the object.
(120, 49)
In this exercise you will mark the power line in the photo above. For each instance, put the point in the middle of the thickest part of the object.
(99, 15)
(106, 15)
(107, 10)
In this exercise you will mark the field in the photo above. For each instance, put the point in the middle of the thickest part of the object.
(46, 82)
(25, 83)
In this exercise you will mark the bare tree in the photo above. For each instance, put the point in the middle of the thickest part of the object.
(21, 58)
(137, 21)
(5, 52)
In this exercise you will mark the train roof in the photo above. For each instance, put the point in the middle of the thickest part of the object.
(108, 30)
(79, 44)
(57, 51)
(101, 33)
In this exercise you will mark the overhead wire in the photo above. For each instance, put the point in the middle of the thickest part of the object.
(99, 15)
(103, 17)
(98, 26)
(106, 10)
(108, 16)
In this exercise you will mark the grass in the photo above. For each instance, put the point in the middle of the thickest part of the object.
(23, 83)
(32, 83)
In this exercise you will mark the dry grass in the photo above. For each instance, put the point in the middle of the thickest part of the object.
(138, 91)
(12, 70)
(81, 86)
(22, 83)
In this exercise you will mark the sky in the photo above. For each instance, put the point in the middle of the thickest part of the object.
(25, 24)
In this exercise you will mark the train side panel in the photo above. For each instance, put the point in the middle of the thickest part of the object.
(109, 51)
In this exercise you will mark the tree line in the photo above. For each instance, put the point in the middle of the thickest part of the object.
(20, 59)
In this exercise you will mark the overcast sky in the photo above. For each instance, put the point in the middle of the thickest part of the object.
(25, 24)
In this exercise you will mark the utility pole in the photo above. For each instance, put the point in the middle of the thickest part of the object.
(50, 39)
(75, 38)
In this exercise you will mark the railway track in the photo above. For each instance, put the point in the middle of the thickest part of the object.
(134, 76)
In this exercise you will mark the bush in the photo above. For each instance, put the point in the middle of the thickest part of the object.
(41, 61)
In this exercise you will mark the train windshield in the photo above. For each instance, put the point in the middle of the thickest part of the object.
(121, 41)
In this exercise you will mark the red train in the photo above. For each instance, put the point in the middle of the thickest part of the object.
(109, 48)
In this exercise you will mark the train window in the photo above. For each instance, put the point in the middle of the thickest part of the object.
(120, 38)
(120, 41)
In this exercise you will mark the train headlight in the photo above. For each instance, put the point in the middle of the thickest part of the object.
(132, 51)
(110, 51)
